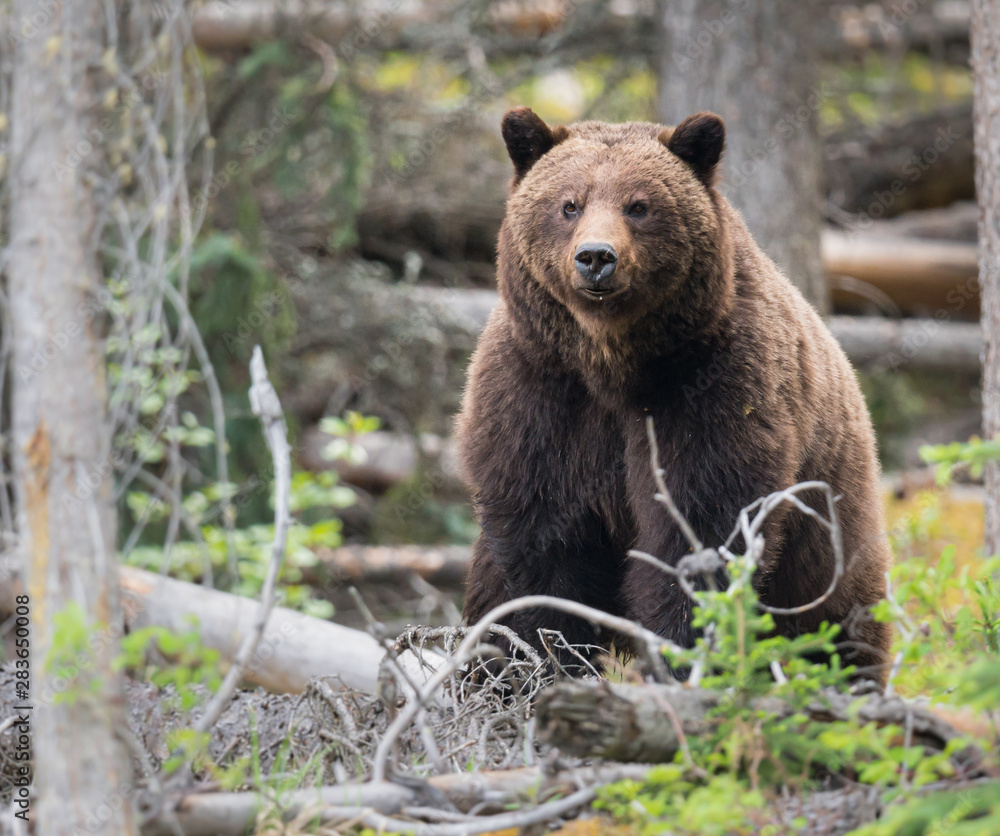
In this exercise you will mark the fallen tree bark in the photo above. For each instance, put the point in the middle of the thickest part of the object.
(519, 29)
(294, 648)
(915, 275)
(641, 723)
(388, 459)
(221, 814)
(897, 344)
(440, 566)
(922, 162)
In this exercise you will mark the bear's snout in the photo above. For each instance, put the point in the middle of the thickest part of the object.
(596, 263)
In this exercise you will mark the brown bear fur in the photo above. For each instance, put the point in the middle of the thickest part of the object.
(749, 391)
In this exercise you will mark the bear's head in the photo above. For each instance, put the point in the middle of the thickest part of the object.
(618, 221)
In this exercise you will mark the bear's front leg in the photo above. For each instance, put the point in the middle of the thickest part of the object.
(538, 552)
(710, 483)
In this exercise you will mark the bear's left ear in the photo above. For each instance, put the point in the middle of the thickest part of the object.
(528, 138)
(698, 140)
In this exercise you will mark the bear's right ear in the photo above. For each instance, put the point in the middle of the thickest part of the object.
(528, 138)
(698, 140)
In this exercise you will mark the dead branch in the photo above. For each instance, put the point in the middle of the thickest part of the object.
(487, 824)
(600, 719)
(266, 406)
(751, 530)
(648, 643)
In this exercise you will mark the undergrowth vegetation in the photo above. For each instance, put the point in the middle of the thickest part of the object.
(946, 619)
(764, 739)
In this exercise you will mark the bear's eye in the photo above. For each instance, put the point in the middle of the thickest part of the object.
(637, 210)
(569, 208)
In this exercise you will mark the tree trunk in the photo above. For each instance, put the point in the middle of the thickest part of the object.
(986, 105)
(752, 63)
(65, 517)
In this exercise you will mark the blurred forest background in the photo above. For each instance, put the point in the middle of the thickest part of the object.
(360, 181)
(326, 180)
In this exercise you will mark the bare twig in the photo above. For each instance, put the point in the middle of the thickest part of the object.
(653, 644)
(753, 539)
(750, 529)
(265, 404)
(666, 568)
(664, 493)
(485, 824)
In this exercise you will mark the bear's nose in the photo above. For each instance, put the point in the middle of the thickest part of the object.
(596, 261)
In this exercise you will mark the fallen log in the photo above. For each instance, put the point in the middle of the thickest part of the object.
(643, 723)
(897, 344)
(221, 814)
(450, 206)
(401, 350)
(901, 274)
(908, 274)
(520, 28)
(386, 460)
(444, 566)
(922, 162)
(294, 648)
(958, 222)
(942, 343)
(383, 348)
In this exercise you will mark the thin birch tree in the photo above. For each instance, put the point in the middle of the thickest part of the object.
(985, 22)
(60, 432)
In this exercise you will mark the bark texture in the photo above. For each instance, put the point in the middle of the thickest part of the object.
(65, 517)
(293, 648)
(753, 64)
(520, 28)
(647, 723)
(986, 106)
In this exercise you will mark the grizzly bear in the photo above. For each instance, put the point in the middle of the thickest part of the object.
(630, 288)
